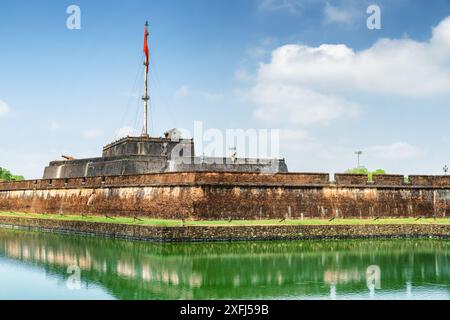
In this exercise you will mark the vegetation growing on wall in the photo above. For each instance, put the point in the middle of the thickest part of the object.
(6, 175)
(364, 170)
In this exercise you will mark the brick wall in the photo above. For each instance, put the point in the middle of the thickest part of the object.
(229, 195)
(437, 181)
(350, 179)
(388, 179)
(174, 179)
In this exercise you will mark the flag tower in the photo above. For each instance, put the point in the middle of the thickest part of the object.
(146, 98)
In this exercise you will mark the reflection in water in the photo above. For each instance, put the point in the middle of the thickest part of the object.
(293, 270)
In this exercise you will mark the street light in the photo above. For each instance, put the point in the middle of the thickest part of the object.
(358, 153)
(445, 169)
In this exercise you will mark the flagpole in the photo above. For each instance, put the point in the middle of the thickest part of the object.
(146, 98)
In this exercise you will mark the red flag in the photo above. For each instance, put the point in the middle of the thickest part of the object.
(146, 51)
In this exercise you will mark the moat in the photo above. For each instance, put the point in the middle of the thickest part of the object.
(36, 265)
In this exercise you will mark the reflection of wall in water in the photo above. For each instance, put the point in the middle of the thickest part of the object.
(177, 271)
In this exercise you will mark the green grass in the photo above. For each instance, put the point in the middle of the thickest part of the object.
(175, 223)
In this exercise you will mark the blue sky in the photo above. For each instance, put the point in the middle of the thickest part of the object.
(310, 68)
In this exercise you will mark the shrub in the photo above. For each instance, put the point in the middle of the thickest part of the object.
(364, 170)
(5, 175)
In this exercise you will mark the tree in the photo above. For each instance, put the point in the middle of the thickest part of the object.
(6, 175)
(363, 170)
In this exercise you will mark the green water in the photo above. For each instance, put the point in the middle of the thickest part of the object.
(35, 265)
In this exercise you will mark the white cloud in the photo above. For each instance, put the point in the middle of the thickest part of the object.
(311, 85)
(291, 6)
(334, 14)
(4, 109)
(394, 151)
(285, 103)
(125, 132)
(391, 66)
(92, 133)
(306, 153)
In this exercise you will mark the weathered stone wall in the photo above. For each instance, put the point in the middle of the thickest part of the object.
(174, 179)
(351, 179)
(209, 164)
(107, 166)
(150, 146)
(436, 181)
(147, 164)
(231, 233)
(388, 179)
(212, 196)
(145, 155)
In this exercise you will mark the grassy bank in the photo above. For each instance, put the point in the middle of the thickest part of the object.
(177, 223)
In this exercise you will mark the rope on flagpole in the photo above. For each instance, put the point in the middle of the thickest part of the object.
(132, 95)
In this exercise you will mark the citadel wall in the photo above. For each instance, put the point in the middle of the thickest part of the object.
(225, 195)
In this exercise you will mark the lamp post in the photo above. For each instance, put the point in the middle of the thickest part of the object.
(358, 153)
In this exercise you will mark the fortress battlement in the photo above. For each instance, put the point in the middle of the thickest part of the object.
(235, 195)
(143, 155)
(232, 179)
